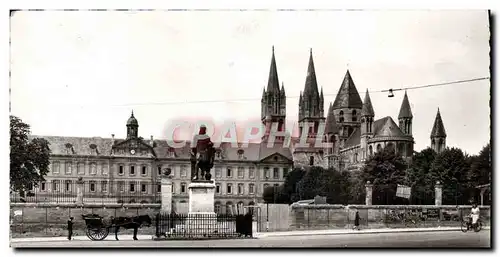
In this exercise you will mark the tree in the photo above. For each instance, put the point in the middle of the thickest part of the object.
(419, 177)
(479, 172)
(274, 194)
(330, 183)
(450, 168)
(290, 191)
(29, 160)
(385, 170)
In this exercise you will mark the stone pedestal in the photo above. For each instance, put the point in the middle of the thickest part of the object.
(201, 217)
(79, 191)
(166, 194)
(369, 193)
(438, 194)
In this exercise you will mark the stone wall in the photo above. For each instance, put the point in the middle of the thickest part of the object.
(32, 220)
(337, 216)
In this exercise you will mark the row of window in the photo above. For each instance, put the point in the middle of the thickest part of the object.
(80, 168)
(354, 117)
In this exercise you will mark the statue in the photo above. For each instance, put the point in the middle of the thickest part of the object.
(202, 156)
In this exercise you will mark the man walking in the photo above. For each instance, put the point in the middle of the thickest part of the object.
(70, 228)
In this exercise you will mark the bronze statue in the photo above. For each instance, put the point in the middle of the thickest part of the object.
(202, 156)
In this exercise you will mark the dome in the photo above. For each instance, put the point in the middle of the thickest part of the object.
(132, 120)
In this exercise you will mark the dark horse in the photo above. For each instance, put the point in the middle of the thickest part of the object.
(130, 223)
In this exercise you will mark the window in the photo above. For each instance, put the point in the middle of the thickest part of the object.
(370, 150)
(42, 186)
(276, 173)
(158, 188)
(121, 186)
(228, 173)
(251, 189)
(379, 148)
(68, 186)
(183, 187)
(229, 189)
(93, 168)
(92, 186)
(354, 117)
(69, 168)
(285, 172)
(251, 172)
(218, 172)
(341, 116)
(120, 170)
(144, 171)
(356, 157)
(55, 185)
(104, 169)
(240, 189)
(217, 188)
(132, 187)
(104, 186)
(159, 171)
(81, 168)
(241, 172)
(183, 171)
(132, 170)
(173, 187)
(144, 188)
(55, 168)
(217, 207)
(266, 173)
(264, 188)
(311, 160)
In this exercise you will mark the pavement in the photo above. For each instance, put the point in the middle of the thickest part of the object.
(423, 239)
(307, 235)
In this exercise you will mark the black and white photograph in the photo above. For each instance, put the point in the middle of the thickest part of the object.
(232, 128)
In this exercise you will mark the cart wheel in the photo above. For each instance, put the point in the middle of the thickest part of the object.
(97, 234)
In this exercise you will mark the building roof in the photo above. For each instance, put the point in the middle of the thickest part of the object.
(347, 96)
(367, 109)
(386, 127)
(405, 111)
(438, 128)
(331, 123)
(311, 86)
(81, 146)
(132, 120)
(354, 139)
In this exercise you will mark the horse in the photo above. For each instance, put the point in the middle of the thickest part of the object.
(130, 223)
(203, 163)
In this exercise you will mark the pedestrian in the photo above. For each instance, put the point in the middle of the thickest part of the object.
(70, 228)
(356, 221)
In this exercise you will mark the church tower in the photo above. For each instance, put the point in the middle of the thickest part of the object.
(347, 108)
(405, 116)
(332, 137)
(367, 118)
(311, 111)
(273, 103)
(438, 134)
(132, 127)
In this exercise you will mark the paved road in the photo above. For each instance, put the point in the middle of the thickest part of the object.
(422, 240)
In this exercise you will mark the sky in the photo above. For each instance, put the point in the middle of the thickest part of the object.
(82, 73)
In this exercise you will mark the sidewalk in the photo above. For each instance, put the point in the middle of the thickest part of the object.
(260, 234)
(350, 231)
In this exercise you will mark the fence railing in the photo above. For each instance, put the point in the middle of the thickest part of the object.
(93, 192)
(203, 225)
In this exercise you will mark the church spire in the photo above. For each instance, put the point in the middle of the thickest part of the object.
(405, 110)
(438, 128)
(311, 87)
(273, 85)
(367, 109)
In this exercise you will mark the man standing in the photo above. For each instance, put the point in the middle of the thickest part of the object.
(70, 228)
(201, 155)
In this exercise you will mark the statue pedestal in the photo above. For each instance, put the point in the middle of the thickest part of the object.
(201, 217)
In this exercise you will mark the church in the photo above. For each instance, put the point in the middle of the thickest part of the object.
(350, 123)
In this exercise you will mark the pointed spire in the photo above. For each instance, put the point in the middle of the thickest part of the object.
(321, 93)
(331, 123)
(282, 88)
(347, 96)
(405, 111)
(311, 87)
(438, 128)
(367, 109)
(273, 85)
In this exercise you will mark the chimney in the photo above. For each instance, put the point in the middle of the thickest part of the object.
(152, 141)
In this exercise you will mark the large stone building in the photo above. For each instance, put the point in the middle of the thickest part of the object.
(132, 166)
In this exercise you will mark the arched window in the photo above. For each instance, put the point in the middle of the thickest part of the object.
(250, 210)
(229, 208)
(354, 117)
(341, 116)
(401, 148)
(390, 146)
(379, 148)
(217, 207)
(239, 208)
(370, 150)
(311, 160)
(356, 157)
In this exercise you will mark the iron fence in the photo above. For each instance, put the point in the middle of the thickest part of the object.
(92, 192)
(203, 226)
